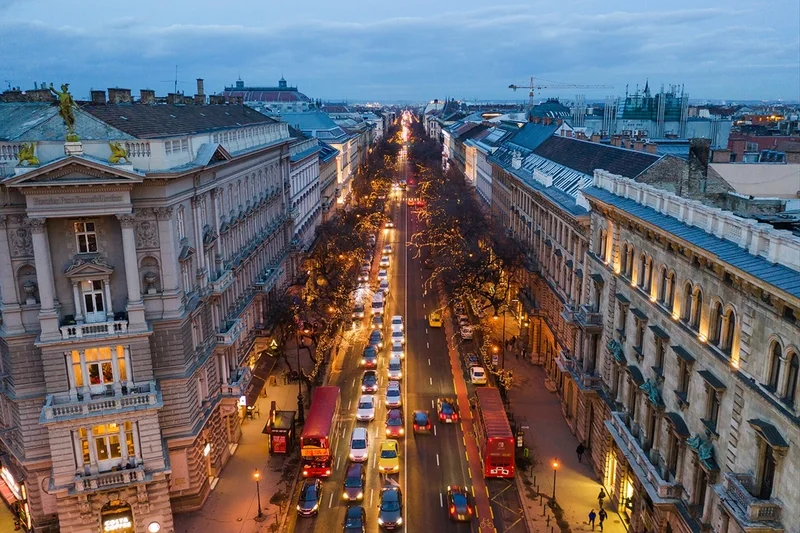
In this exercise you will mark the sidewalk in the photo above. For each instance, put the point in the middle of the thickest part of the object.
(576, 485)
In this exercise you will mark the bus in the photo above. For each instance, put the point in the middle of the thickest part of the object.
(319, 434)
(493, 432)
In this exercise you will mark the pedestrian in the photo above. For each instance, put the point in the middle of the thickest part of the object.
(580, 451)
(592, 516)
(602, 515)
(517, 354)
(522, 353)
(600, 497)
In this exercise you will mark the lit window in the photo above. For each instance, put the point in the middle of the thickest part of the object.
(94, 367)
(86, 237)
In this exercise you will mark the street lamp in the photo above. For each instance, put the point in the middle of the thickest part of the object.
(555, 471)
(257, 476)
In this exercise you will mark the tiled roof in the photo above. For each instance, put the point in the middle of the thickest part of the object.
(316, 124)
(777, 275)
(586, 156)
(531, 135)
(152, 121)
(473, 132)
(39, 121)
(270, 95)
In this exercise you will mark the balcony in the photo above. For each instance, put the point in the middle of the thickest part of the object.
(238, 383)
(94, 329)
(222, 282)
(64, 406)
(568, 314)
(588, 319)
(230, 332)
(106, 480)
(736, 493)
(642, 463)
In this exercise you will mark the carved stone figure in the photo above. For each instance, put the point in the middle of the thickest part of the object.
(652, 391)
(146, 235)
(21, 244)
(118, 153)
(26, 154)
(616, 350)
(65, 109)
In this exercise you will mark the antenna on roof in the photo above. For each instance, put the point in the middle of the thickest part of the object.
(176, 81)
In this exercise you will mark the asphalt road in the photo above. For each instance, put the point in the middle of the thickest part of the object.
(428, 462)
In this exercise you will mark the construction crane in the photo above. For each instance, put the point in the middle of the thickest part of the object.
(534, 86)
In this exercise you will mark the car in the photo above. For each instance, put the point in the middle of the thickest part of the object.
(435, 319)
(466, 332)
(395, 425)
(410, 202)
(355, 520)
(372, 239)
(358, 311)
(377, 322)
(397, 323)
(463, 320)
(366, 408)
(359, 445)
(383, 287)
(369, 381)
(310, 497)
(477, 375)
(422, 422)
(383, 274)
(378, 304)
(369, 357)
(471, 360)
(387, 249)
(384, 261)
(397, 350)
(447, 410)
(390, 510)
(458, 504)
(388, 224)
(354, 482)
(398, 336)
(458, 308)
(394, 398)
(420, 203)
(376, 338)
(389, 458)
(364, 274)
(395, 368)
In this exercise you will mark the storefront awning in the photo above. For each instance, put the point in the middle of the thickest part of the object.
(261, 372)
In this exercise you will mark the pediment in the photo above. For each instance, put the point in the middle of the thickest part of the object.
(88, 268)
(76, 170)
(209, 153)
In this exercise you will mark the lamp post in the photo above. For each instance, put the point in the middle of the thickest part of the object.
(555, 471)
(503, 352)
(301, 416)
(257, 476)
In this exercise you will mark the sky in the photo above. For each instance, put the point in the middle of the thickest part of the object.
(408, 50)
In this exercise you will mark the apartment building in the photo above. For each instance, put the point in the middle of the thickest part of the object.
(137, 268)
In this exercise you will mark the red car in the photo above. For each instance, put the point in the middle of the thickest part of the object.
(420, 203)
(448, 412)
(394, 423)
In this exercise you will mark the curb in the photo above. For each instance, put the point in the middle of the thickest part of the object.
(523, 497)
(290, 498)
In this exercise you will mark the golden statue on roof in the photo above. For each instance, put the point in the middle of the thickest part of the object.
(118, 153)
(26, 155)
(65, 109)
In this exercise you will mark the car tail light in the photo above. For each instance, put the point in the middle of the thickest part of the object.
(469, 509)
(441, 416)
(452, 509)
(327, 472)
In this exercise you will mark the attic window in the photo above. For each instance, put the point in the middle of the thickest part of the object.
(173, 116)
(123, 117)
(227, 113)
(202, 114)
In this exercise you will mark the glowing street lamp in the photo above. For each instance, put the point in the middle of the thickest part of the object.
(257, 476)
(555, 466)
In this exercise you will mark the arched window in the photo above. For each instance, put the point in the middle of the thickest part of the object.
(697, 308)
(730, 329)
(774, 366)
(662, 289)
(642, 268)
(629, 265)
(791, 382)
(715, 324)
(687, 302)
(623, 268)
(648, 281)
(670, 298)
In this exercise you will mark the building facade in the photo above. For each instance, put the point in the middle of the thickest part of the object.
(304, 190)
(327, 180)
(281, 99)
(135, 282)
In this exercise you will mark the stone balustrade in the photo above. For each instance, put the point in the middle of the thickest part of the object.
(105, 480)
(94, 329)
(238, 384)
(231, 333)
(737, 494)
(63, 405)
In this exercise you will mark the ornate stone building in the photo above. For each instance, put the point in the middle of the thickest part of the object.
(133, 294)
(698, 352)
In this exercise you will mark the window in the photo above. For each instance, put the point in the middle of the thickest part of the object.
(184, 145)
(181, 224)
(639, 336)
(86, 237)
(94, 367)
(672, 457)
(683, 377)
(686, 314)
(774, 366)
(106, 445)
(697, 308)
(660, 351)
(669, 297)
(791, 382)
(628, 270)
(662, 289)
(648, 274)
(623, 319)
(712, 410)
(715, 324)
(730, 330)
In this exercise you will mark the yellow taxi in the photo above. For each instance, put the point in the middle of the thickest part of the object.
(435, 319)
(389, 459)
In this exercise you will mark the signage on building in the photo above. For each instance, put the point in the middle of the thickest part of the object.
(117, 524)
(12, 484)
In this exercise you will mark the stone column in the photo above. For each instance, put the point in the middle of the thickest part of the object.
(12, 314)
(170, 269)
(48, 317)
(76, 297)
(135, 307)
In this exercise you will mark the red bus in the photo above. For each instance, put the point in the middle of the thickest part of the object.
(319, 433)
(495, 440)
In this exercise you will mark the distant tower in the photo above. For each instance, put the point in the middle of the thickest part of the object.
(579, 111)
(282, 83)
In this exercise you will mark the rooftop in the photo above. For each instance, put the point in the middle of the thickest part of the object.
(282, 93)
(316, 124)
(586, 156)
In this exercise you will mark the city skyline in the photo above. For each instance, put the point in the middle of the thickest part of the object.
(357, 52)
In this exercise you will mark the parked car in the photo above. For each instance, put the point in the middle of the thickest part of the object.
(358, 311)
(384, 261)
(395, 369)
(398, 336)
(397, 323)
(387, 249)
(471, 360)
(477, 375)
(383, 287)
(466, 332)
(397, 350)
(383, 274)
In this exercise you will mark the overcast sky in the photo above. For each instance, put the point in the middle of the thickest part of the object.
(409, 49)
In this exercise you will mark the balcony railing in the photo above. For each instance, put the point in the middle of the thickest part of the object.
(229, 335)
(224, 281)
(237, 385)
(588, 318)
(625, 440)
(568, 314)
(63, 405)
(104, 480)
(94, 329)
(737, 494)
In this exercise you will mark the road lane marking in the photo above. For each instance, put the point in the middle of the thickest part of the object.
(338, 460)
(423, 305)
(469, 473)
(429, 361)
(473, 491)
(434, 431)
(349, 404)
(371, 496)
(428, 344)
(330, 502)
(354, 382)
(437, 459)
(441, 500)
(343, 431)
(374, 460)
(432, 405)
(431, 380)
(487, 492)
(426, 331)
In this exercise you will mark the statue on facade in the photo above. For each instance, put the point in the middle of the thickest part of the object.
(651, 389)
(616, 350)
(26, 154)
(703, 447)
(65, 109)
(118, 153)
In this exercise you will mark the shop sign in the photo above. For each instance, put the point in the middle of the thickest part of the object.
(242, 401)
(117, 524)
(15, 487)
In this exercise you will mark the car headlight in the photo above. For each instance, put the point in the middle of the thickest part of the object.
(399, 521)
(345, 496)
(388, 431)
(352, 457)
(359, 495)
(380, 520)
(402, 431)
(298, 507)
(363, 361)
(316, 506)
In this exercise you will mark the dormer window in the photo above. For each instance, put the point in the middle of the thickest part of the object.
(86, 237)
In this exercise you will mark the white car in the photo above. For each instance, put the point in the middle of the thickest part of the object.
(384, 261)
(394, 397)
(466, 332)
(477, 375)
(383, 286)
(397, 323)
(463, 320)
(395, 369)
(398, 336)
(387, 249)
(366, 408)
(398, 350)
(359, 445)
(383, 274)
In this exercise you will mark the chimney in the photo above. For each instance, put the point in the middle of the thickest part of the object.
(537, 120)
(147, 96)
(626, 142)
(119, 96)
(98, 97)
(174, 98)
(616, 140)
(721, 155)
(595, 138)
(39, 95)
(200, 91)
(547, 121)
(651, 148)
(516, 160)
(638, 146)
